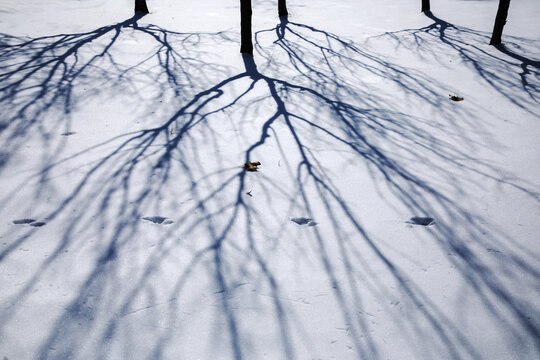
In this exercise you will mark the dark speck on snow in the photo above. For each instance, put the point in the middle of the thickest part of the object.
(424, 221)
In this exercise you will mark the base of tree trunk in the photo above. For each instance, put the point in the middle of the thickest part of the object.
(246, 46)
(282, 8)
(500, 21)
(425, 5)
(251, 67)
(140, 6)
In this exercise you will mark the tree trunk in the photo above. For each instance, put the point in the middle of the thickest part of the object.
(282, 8)
(425, 5)
(140, 6)
(246, 46)
(500, 20)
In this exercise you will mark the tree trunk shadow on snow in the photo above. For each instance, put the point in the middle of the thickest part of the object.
(310, 89)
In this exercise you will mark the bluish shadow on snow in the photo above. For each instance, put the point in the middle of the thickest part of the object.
(519, 82)
(44, 80)
(314, 84)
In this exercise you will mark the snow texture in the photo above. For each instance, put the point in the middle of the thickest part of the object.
(113, 125)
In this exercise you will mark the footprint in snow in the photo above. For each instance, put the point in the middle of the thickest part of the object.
(304, 221)
(424, 221)
(160, 220)
(23, 221)
(30, 222)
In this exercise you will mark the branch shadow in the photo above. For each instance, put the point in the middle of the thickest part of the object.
(499, 72)
(525, 64)
(144, 286)
(44, 79)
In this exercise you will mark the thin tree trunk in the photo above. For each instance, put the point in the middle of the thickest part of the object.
(425, 5)
(140, 6)
(282, 8)
(500, 20)
(246, 46)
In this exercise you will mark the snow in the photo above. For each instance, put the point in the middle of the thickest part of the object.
(131, 229)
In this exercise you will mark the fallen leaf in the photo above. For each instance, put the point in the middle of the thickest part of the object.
(252, 166)
(456, 98)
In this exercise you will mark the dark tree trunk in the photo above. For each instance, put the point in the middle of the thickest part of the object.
(425, 5)
(282, 8)
(140, 6)
(500, 20)
(246, 46)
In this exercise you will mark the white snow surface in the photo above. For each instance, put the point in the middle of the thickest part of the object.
(125, 138)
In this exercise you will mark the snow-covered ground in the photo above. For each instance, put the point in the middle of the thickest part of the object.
(131, 230)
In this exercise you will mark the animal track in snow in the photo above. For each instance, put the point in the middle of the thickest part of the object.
(28, 221)
(23, 221)
(304, 221)
(160, 220)
(424, 221)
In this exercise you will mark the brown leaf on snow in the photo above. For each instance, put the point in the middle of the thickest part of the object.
(251, 166)
(456, 98)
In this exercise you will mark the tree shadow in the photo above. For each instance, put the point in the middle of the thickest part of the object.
(312, 94)
(525, 65)
(44, 79)
(499, 72)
